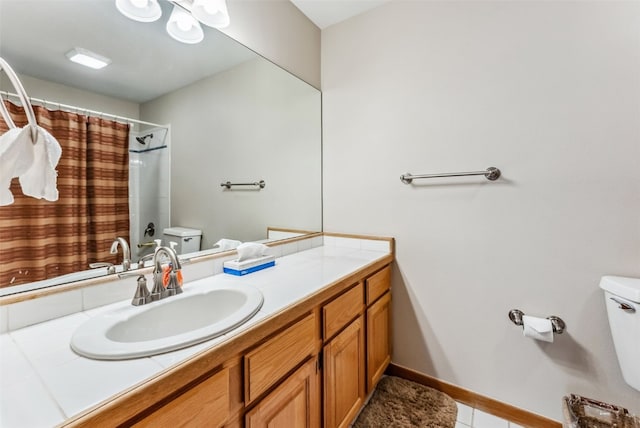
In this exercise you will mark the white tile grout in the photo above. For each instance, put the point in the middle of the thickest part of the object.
(469, 417)
(465, 414)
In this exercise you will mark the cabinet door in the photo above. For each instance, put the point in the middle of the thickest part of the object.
(295, 403)
(378, 340)
(344, 381)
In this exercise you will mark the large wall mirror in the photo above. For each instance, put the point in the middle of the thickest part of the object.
(201, 115)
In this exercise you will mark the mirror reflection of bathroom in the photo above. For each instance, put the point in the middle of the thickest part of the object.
(218, 75)
(149, 185)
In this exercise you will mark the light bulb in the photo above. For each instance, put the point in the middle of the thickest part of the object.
(184, 22)
(213, 13)
(210, 7)
(140, 3)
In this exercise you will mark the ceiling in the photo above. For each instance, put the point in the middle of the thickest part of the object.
(325, 13)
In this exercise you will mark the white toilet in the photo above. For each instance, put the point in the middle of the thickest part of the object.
(187, 240)
(622, 296)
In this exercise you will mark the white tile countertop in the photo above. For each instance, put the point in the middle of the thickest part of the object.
(43, 382)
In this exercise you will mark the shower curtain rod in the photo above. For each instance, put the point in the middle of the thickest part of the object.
(74, 109)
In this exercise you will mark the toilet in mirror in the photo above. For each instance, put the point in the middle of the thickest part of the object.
(182, 240)
(622, 298)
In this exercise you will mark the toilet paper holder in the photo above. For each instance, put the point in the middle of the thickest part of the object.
(515, 315)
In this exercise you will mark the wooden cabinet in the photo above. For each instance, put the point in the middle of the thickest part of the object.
(355, 359)
(279, 383)
(378, 339)
(204, 405)
(344, 381)
(294, 403)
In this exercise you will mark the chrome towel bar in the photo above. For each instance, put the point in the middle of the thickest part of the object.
(229, 184)
(491, 173)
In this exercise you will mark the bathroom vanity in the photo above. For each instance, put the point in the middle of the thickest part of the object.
(310, 357)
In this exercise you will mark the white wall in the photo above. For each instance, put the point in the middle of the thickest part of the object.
(549, 92)
(253, 122)
(57, 93)
(277, 30)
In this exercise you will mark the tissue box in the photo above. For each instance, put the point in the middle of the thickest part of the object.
(234, 267)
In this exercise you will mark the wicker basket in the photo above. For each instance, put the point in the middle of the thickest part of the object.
(582, 412)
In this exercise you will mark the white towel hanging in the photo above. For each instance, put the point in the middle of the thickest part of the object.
(30, 153)
(39, 181)
(16, 157)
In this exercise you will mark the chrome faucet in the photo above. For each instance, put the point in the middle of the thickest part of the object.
(126, 252)
(173, 288)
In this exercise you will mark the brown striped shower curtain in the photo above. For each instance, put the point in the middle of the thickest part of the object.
(41, 239)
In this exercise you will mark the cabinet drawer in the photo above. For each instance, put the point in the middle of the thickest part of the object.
(206, 404)
(337, 313)
(377, 284)
(268, 363)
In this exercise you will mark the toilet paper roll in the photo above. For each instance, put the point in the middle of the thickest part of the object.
(537, 328)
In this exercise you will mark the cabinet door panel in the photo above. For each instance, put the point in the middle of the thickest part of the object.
(295, 403)
(344, 382)
(378, 340)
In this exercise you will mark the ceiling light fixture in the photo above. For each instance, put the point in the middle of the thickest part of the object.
(213, 13)
(87, 58)
(183, 27)
(184, 23)
(140, 10)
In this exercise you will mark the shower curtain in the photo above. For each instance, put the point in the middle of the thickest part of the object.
(41, 239)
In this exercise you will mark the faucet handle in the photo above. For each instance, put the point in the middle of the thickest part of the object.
(111, 269)
(100, 265)
(173, 287)
(142, 295)
(144, 259)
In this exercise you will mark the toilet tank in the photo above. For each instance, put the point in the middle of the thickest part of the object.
(622, 296)
(188, 239)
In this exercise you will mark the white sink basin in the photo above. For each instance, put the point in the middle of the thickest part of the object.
(172, 323)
